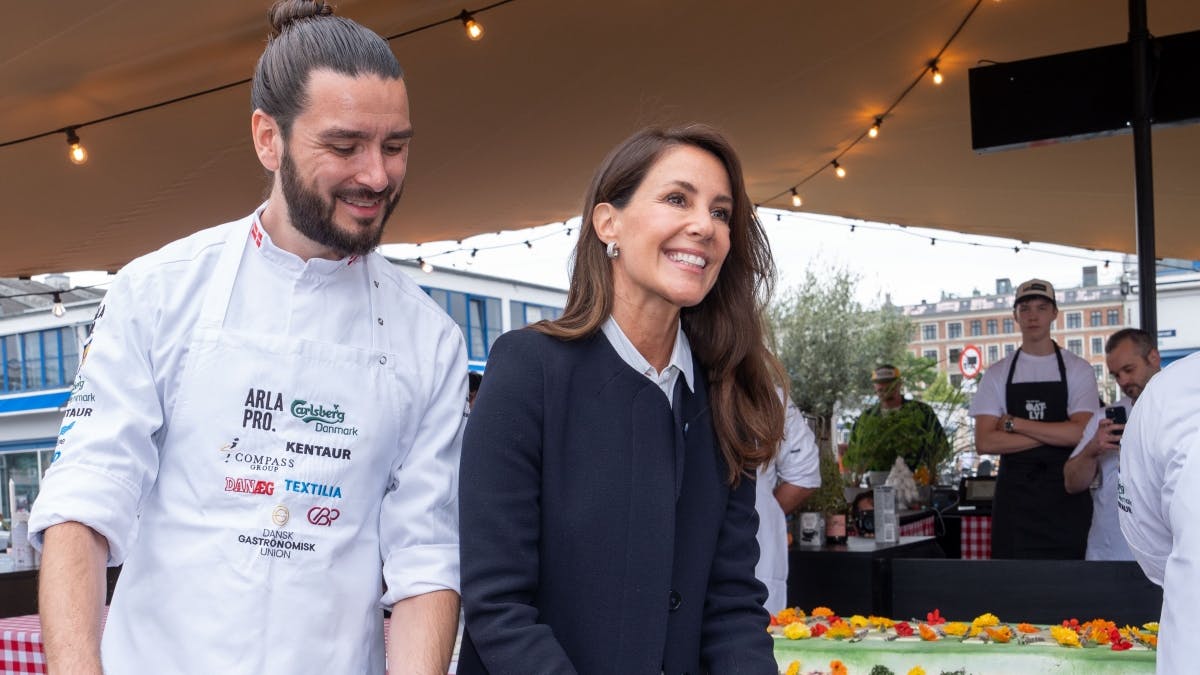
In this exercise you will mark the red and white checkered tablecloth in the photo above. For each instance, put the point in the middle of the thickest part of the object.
(21, 645)
(977, 537)
(918, 528)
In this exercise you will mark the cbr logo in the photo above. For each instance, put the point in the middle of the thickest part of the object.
(322, 515)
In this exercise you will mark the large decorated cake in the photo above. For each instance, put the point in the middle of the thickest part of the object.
(826, 643)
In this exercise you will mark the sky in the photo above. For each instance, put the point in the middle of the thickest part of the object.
(887, 258)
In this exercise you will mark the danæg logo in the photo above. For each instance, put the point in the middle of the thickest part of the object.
(249, 486)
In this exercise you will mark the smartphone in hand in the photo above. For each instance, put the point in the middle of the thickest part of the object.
(1116, 413)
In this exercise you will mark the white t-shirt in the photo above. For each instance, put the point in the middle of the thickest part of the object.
(1082, 394)
(1158, 501)
(798, 463)
(1105, 541)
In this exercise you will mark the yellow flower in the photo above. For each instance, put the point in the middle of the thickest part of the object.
(839, 630)
(1152, 626)
(880, 622)
(797, 630)
(822, 611)
(1001, 634)
(858, 621)
(975, 630)
(837, 667)
(955, 628)
(986, 620)
(793, 668)
(916, 670)
(1065, 636)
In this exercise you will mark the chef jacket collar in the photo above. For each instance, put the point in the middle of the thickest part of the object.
(288, 260)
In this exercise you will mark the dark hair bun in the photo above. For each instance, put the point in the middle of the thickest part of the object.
(284, 12)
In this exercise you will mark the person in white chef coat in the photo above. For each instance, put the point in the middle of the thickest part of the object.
(1132, 358)
(268, 415)
(1158, 497)
(782, 486)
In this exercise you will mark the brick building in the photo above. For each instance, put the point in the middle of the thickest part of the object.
(1087, 315)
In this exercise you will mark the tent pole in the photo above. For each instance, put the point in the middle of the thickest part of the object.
(1139, 42)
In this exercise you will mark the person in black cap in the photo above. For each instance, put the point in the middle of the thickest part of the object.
(1031, 407)
(931, 437)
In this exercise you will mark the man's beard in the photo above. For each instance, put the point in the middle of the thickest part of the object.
(312, 216)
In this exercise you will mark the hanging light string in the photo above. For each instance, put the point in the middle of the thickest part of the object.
(72, 131)
(934, 240)
(931, 66)
(465, 245)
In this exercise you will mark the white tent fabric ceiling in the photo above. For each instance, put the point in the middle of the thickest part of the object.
(509, 129)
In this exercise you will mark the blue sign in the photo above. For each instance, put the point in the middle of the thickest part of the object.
(1169, 332)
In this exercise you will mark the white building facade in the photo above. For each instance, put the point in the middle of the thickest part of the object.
(40, 352)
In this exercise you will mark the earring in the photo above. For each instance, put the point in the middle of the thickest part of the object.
(612, 251)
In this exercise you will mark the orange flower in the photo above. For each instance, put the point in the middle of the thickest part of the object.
(1027, 628)
(1001, 634)
(783, 618)
(837, 667)
(822, 612)
(839, 630)
(928, 634)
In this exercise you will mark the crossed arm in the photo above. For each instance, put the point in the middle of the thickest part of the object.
(992, 439)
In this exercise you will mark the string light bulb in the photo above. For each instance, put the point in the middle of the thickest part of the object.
(874, 132)
(796, 200)
(59, 309)
(839, 169)
(937, 74)
(77, 153)
(474, 28)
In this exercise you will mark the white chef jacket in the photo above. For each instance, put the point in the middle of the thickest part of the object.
(798, 463)
(1159, 502)
(111, 465)
(1105, 541)
(990, 396)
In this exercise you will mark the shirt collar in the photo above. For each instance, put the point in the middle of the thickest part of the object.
(288, 260)
(681, 354)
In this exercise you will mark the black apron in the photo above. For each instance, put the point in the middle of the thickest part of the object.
(1033, 516)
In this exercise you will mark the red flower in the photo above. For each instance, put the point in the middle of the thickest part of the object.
(903, 629)
(819, 629)
(1121, 645)
(1073, 624)
(934, 618)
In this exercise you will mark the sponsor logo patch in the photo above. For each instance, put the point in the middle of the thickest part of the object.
(325, 420)
(249, 486)
(323, 515)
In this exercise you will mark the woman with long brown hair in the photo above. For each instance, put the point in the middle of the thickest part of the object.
(607, 485)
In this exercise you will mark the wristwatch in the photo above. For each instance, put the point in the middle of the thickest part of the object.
(1008, 424)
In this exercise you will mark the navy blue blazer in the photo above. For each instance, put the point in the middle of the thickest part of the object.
(599, 534)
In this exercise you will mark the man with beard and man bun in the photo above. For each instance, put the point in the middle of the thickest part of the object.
(274, 412)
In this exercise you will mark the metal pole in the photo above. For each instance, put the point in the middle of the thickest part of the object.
(1139, 42)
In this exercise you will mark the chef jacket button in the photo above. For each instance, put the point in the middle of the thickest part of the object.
(675, 600)
(380, 320)
(383, 360)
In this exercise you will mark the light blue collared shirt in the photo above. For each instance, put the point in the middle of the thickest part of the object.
(680, 363)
